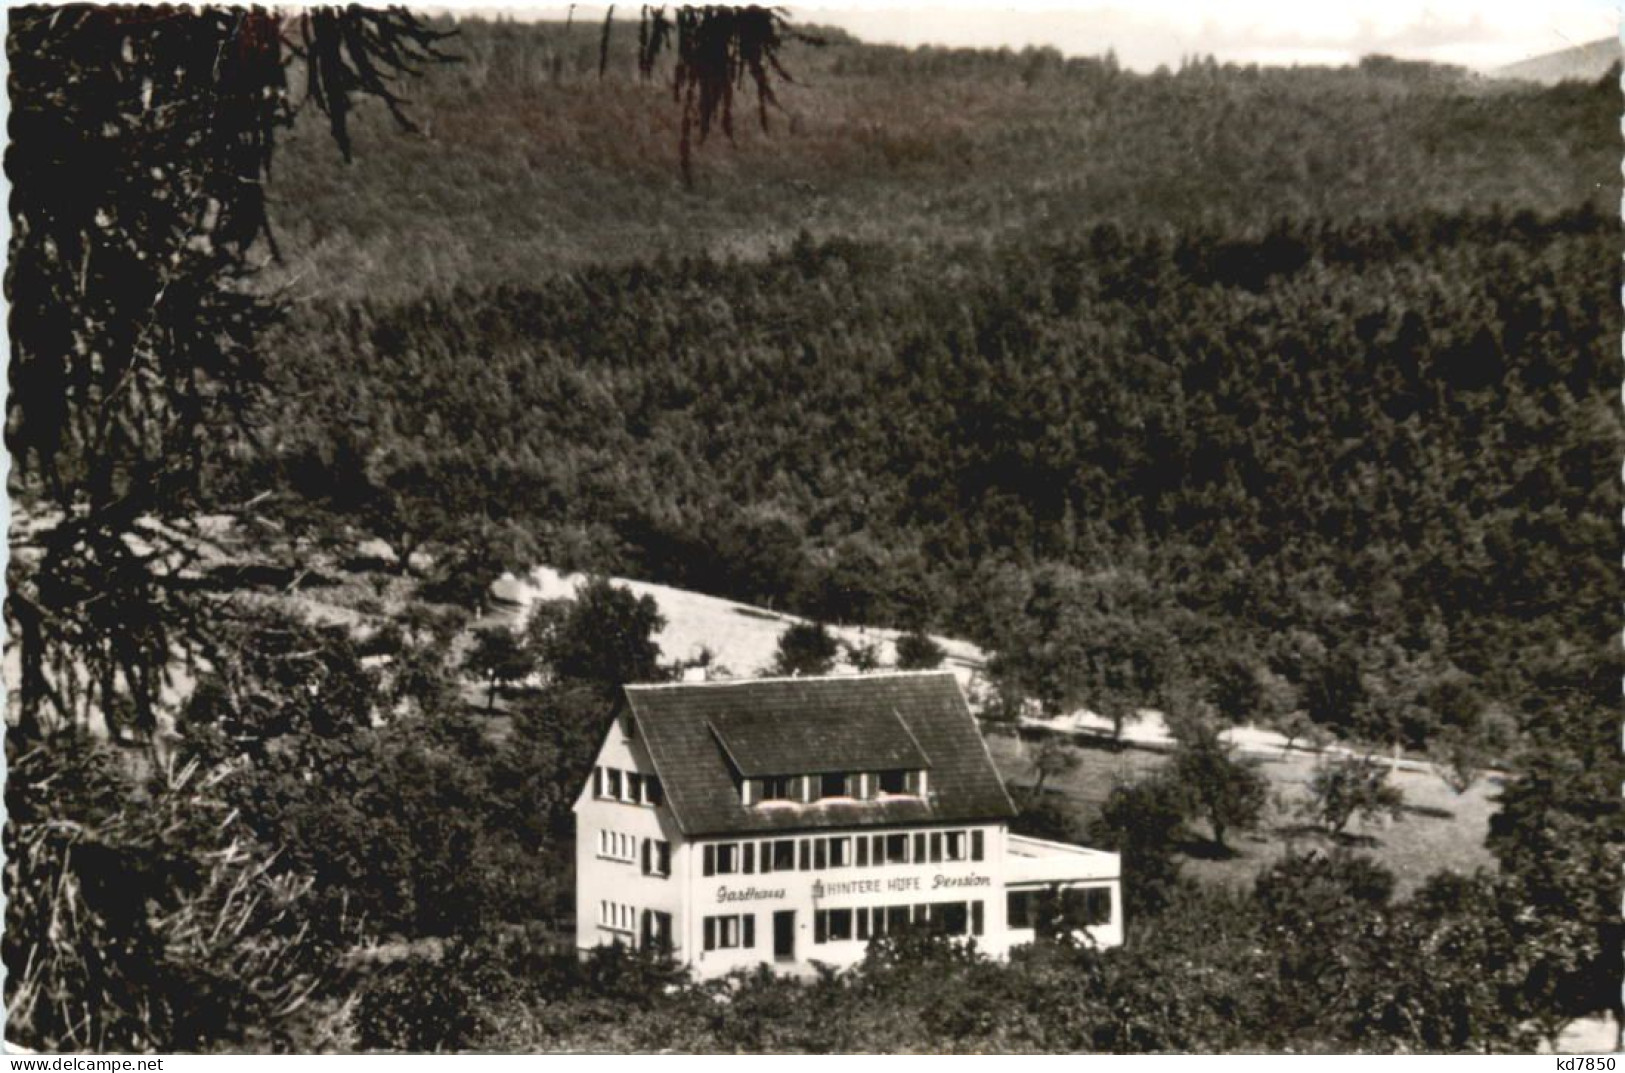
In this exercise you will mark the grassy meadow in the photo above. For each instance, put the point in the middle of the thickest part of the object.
(1440, 830)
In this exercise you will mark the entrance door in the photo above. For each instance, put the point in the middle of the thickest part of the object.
(784, 935)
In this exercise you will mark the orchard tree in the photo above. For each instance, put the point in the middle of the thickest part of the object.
(1461, 753)
(1055, 758)
(1296, 726)
(498, 658)
(1230, 794)
(1344, 787)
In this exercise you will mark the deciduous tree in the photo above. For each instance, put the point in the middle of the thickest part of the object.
(1344, 787)
(498, 658)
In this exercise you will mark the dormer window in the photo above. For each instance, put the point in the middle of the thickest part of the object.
(831, 786)
(902, 782)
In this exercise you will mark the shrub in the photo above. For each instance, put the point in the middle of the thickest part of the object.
(918, 652)
(806, 648)
(428, 1003)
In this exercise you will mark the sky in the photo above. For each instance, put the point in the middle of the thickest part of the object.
(1480, 34)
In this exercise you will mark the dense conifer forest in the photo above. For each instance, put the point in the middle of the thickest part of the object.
(1397, 433)
(1255, 395)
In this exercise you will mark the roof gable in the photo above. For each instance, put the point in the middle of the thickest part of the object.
(874, 722)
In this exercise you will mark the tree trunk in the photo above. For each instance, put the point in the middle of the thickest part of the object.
(405, 549)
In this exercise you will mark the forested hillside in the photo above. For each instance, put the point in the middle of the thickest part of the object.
(1262, 352)
(1391, 439)
(530, 163)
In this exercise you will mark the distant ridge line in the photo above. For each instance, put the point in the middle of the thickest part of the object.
(1582, 63)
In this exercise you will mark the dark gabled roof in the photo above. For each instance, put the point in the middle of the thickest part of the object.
(684, 727)
(846, 736)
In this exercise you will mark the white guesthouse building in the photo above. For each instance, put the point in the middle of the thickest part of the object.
(787, 821)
